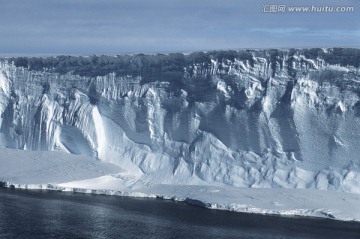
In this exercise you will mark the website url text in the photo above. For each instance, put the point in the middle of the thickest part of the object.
(277, 8)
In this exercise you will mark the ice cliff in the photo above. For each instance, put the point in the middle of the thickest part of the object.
(257, 118)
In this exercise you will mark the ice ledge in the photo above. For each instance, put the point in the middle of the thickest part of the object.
(283, 202)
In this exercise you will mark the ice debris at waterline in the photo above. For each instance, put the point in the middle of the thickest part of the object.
(253, 118)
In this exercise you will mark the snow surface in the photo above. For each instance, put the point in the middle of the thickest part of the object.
(30, 167)
(65, 172)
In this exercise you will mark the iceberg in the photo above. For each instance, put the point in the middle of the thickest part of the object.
(252, 122)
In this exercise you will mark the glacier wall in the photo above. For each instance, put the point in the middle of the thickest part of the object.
(292, 122)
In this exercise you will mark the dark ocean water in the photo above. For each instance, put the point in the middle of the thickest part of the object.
(44, 214)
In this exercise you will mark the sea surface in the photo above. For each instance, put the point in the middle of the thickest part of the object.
(50, 214)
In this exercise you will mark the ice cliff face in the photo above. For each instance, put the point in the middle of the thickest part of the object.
(271, 120)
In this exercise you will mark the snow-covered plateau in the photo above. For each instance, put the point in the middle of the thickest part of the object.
(260, 131)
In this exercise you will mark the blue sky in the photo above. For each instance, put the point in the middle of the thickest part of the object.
(150, 26)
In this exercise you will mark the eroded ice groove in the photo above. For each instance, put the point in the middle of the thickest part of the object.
(267, 118)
